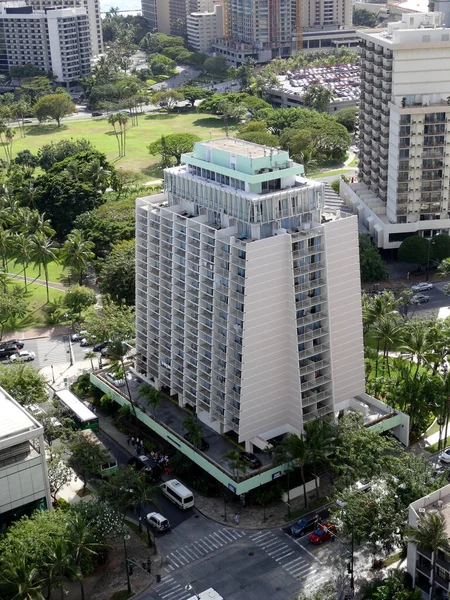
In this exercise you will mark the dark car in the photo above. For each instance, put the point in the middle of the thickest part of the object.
(19, 343)
(97, 113)
(204, 446)
(304, 525)
(8, 351)
(99, 347)
(251, 460)
(148, 465)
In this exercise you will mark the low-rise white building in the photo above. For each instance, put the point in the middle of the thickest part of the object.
(24, 485)
(204, 27)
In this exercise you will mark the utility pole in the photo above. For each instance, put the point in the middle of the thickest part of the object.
(126, 537)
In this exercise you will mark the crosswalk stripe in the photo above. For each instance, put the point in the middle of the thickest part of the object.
(209, 544)
(176, 590)
(274, 553)
(271, 544)
(260, 536)
(298, 559)
(201, 549)
(299, 569)
(218, 540)
(228, 535)
(173, 561)
(285, 555)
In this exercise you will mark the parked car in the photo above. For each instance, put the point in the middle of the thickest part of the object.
(97, 113)
(305, 524)
(438, 472)
(85, 342)
(19, 343)
(422, 287)
(77, 337)
(445, 456)
(22, 356)
(148, 465)
(158, 522)
(420, 299)
(322, 534)
(117, 381)
(9, 351)
(251, 460)
(99, 347)
(204, 446)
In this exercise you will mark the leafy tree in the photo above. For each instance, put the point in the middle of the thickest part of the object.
(59, 475)
(319, 439)
(396, 586)
(151, 396)
(260, 137)
(364, 18)
(194, 93)
(318, 97)
(430, 534)
(24, 383)
(54, 106)
(415, 249)
(194, 430)
(440, 246)
(12, 305)
(117, 276)
(59, 566)
(101, 94)
(160, 64)
(86, 456)
(35, 87)
(108, 522)
(83, 546)
(172, 146)
(235, 461)
(77, 253)
(295, 448)
(168, 98)
(63, 200)
(111, 322)
(55, 152)
(26, 159)
(347, 117)
(216, 66)
(78, 298)
(373, 268)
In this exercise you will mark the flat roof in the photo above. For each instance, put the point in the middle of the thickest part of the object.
(241, 147)
(76, 405)
(15, 419)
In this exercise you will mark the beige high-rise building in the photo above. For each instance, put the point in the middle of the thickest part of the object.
(205, 27)
(170, 16)
(327, 13)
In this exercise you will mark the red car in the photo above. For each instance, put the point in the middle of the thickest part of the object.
(322, 534)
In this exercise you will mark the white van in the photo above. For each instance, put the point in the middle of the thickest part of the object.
(178, 493)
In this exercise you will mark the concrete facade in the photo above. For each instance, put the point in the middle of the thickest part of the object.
(54, 40)
(203, 28)
(238, 311)
(327, 12)
(404, 166)
(23, 469)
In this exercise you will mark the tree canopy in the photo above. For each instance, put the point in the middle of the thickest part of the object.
(373, 268)
(172, 146)
(24, 383)
(54, 106)
(117, 276)
(415, 249)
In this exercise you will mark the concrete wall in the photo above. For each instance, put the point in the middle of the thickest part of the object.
(298, 491)
(344, 304)
(270, 387)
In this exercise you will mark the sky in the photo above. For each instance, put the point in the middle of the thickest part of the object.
(123, 5)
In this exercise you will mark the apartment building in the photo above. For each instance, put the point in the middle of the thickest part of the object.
(404, 166)
(327, 13)
(24, 483)
(170, 16)
(203, 28)
(55, 40)
(92, 10)
(248, 305)
(420, 560)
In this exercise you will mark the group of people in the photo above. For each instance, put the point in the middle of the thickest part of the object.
(162, 460)
(138, 444)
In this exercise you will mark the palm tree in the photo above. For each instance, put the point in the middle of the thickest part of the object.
(416, 345)
(388, 332)
(42, 253)
(294, 447)
(142, 493)
(113, 120)
(319, 438)
(77, 253)
(430, 534)
(91, 355)
(194, 431)
(82, 543)
(151, 396)
(36, 223)
(97, 175)
(19, 579)
(5, 246)
(444, 268)
(117, 353)
(23, 246)
(60, 567)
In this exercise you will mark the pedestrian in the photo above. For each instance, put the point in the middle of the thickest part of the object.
(128, 440)
(132, 440)
(236, 519)
(149, 564)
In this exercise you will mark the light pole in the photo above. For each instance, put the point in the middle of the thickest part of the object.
(190, 588)
(430, 243)
(53, 374)
(126, 537)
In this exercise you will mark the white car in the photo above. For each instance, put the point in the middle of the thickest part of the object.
(22, 356)
(445, 456)
(158, 522)
(422, 287)
(420, 299)
(77, 337)
(118, 382)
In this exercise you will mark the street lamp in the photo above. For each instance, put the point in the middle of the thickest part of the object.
(430, 243)
(126, 537)
(190, 588)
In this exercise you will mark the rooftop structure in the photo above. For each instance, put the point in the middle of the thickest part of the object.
(343, 80)
(23, 470)
(403, 168)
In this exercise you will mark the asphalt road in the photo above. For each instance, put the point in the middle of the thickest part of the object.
(52, 351)
(437, 300)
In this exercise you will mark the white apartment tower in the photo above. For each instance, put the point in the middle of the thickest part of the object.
(248, 305)
(56, 40)
(327, 13)
(92, 10)
(404, 166)
(203, 28)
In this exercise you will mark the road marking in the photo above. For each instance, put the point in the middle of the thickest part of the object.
(310, 553)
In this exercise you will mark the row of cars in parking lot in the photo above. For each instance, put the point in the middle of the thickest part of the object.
(418, 289)
(317, 525)
(13, 351)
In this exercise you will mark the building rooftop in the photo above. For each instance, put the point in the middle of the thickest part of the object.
(241, 147)
(436, 502)
(15, 419)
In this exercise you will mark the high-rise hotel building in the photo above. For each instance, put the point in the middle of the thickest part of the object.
(404, 165)
(248, 303)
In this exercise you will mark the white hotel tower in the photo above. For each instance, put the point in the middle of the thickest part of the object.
(248, 305)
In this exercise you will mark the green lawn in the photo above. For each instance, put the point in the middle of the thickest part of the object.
(101, 134)
(329, 173)
(37, 299)
(55, 271)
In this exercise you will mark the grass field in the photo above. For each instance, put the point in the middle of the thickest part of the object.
(55, 271)
(101, 134)
(37, 299)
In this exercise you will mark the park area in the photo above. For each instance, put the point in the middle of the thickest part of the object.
(151, 127)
